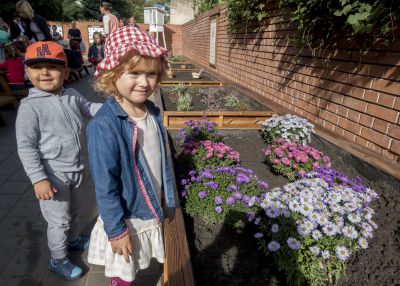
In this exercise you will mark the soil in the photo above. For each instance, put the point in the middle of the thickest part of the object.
(222, 256)
(197, 105)
(187, 76)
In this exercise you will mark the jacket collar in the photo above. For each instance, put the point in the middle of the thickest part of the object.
(119, 112)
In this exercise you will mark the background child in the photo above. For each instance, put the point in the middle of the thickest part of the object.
(14, 66)
(48, 128)
(128, 158)
(96, 51)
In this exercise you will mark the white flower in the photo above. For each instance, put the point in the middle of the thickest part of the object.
(342, 252)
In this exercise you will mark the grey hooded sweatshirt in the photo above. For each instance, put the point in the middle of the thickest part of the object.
(48, 130)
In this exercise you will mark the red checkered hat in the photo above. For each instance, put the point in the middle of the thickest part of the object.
(125, 39)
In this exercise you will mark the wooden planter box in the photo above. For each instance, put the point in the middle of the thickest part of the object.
(185, 77)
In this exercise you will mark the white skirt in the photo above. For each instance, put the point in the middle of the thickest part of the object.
(147, 242)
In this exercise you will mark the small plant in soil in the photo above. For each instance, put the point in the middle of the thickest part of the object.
(176, 92)
(207, 154)
(293, 160)
(311, 229)
(212, 98)
(175, 58)
(236, 104)
(184, 102)
(199, 130)
(222, 195)
(289, 127)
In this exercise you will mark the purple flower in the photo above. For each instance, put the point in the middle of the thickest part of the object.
(238, 196)
(232, 187)
(263, 185)
(218, 200)
(242, 178)
(258, 235)
(212, 185)
(293, 243)
(183, 182)
(273, 246)
(250, 216)
(206, 174)
(230, 201)
(246, 199)
(218, 210)
(183, 193)
(202, 195)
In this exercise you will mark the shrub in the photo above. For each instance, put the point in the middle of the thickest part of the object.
(311, 229)
(184, 102)
(207, 154)
(222, 195)
(235, 103)
(289, 127)
(291, 160)
(197, 130)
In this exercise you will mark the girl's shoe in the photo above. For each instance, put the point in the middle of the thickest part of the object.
(115, 281)
(80, 244)
(65, 268)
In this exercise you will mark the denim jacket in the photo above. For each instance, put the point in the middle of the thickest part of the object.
(121, 176)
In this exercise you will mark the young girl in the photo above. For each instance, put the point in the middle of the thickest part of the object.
(14, 66)
(96, 51)
(128, 158)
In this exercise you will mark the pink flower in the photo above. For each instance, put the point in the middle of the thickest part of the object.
(286, 161)
(209, 155)
(315, 165)
(276, 161)
(278, 152)
(194, 152)
(302, 172)
(303, 158)
(267, 152)
(295, 166)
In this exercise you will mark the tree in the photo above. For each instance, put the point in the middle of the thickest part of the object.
(72, 10)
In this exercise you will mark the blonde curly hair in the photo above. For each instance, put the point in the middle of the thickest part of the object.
(131, 62)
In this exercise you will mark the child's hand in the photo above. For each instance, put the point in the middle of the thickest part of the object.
(123, 246)
(44, 190)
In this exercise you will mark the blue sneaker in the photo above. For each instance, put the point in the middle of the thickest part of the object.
(65, 268)
(80, 244)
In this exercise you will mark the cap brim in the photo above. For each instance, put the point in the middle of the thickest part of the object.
(41, 60)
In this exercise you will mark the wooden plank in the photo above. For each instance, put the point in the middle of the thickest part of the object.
(224, 119)
(177, 268)
(191, 83)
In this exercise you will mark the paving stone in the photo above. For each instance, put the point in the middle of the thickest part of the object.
(32, 227)
(3, 178)
(7, 169)
(14, 187)
(97, 279)
(20, 175)
(25, 209)
(4, 155)
(7, 201)
(29, 195)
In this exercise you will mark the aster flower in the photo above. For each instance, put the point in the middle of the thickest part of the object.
(315, 250)
(325, 254)
(218, 210)
(275, 228)
(258, 235)
(293, 243)
(273, 246)
(218, 200)
(202, 195)
(342, 253)
(230, 201)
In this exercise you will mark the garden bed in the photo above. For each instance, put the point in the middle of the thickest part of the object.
(246, 114)
(186, 77)
(221, 256)
(182, 66)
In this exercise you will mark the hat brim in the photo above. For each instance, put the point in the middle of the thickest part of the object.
(41, 60)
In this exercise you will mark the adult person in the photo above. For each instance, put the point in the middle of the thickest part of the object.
(74, 33)
(16, 27)
(36, 27)
(110, 21)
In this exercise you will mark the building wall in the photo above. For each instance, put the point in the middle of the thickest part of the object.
(181, 11)
(353, 94)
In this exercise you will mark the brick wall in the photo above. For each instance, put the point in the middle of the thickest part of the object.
(351, 93)
(172, 33)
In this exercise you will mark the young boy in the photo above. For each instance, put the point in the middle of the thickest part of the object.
(48, 129)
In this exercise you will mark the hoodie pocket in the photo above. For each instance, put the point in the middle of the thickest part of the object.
(69, 151)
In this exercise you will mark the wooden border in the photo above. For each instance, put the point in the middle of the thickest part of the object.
(173, 120)
(192, 82)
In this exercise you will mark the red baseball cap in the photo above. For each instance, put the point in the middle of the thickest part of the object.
(45, 52)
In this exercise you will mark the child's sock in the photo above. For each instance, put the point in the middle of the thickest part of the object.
(116, 281)
(80, 244)
(65, 268)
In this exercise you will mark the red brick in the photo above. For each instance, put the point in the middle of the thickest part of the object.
(349, 125)
(366, 120)
(357, 92)
(353, 115)
(387, 86)
(395, 147)
(397, 104)
(355, 104)
(375, 148)
(349, 136)
(380, 125)
(361, 141)
(375, 137)
(386, 100)
(382, 112)
(391, 72)
(394, 131)
(371, 96)
(333, 118)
